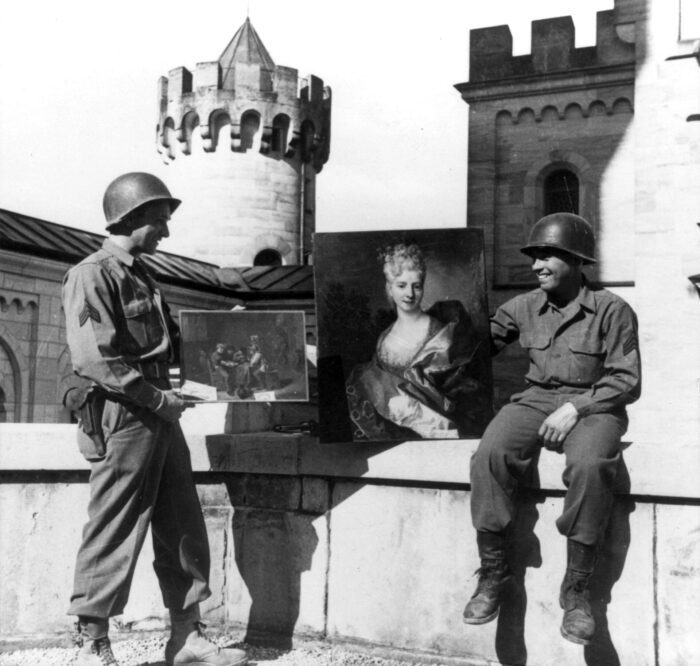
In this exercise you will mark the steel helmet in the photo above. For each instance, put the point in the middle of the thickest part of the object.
(564, 231)
(131, 190)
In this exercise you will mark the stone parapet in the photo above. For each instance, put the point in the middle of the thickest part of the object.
(369, 544)
(553, 49)
(51, 447)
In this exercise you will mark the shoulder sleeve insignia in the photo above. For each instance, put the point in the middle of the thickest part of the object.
(630, 344)
(89, 312)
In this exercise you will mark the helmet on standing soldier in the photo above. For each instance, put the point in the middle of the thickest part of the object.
(132, 190)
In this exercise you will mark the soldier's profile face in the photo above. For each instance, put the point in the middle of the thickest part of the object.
(151, 227)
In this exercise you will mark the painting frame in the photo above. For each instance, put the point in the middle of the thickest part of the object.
(445, 390)
(243, 355)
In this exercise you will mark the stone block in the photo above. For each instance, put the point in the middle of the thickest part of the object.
(214, 496)
(263, 452)
(207, 75)
(276, 583)
(39, 538)
(490, 52)
(272, 492)
(315, 495)
(218, 521)
(678, 555)
(179, 82)
(401, 577)
(552, 43)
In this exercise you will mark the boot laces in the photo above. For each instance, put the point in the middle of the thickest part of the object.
(200, 629)
(577, 594)
(491, 575)
(101, 646)
(103, 649)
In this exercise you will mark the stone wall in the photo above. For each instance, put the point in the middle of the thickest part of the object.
(369, 544)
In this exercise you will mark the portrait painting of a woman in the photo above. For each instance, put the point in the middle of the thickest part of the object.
(424, 371)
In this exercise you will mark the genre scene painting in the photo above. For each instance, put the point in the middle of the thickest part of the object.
(403, 335)
(244, 355)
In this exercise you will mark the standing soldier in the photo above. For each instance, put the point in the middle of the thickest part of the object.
(584, 369)
(122, 339)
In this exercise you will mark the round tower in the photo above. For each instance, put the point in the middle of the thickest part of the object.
(244, 139)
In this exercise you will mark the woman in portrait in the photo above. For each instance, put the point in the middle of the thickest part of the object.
(425, 376)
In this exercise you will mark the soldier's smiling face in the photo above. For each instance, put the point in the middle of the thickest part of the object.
(558, 272)
(150, 227)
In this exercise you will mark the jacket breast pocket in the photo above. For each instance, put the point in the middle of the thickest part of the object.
(143, 322)
(587, 362)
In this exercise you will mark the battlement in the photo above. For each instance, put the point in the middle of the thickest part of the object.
(248, 91)
(553, 49)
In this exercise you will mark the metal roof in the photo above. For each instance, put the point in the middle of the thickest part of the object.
(40, 238)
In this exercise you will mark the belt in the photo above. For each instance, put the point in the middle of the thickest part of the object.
(152, 369)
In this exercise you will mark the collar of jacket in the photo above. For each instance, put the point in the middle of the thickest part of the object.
(119, 252)
(585, 298)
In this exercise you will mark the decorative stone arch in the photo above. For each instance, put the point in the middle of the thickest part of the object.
(190, 122)
(549, 113)
(218, 119)
(526, 115)
(597, 108)
(573, 111)
(622, 105)
(280, 133)
(10, 377)
(533, 194)
(243, 135)
(166, 140)
(504, 118)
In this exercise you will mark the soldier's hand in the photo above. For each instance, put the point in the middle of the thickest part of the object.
(171, 407)
(558, 425)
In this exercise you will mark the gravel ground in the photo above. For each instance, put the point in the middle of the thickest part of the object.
(148, 651)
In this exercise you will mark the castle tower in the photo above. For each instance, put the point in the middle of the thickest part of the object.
(549, 131)
(244, 140)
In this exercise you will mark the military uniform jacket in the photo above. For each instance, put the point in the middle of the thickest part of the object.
(589, 348)
(119, 331)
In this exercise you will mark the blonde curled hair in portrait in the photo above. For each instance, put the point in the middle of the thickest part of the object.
(400, 257)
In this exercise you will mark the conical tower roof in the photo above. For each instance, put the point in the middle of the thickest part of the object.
(245, 47)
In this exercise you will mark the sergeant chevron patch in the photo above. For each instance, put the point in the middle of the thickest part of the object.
(630, 344)
(89, 312)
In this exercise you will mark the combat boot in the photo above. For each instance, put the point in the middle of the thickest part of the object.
(93, 641)
(493, 576)
(578, 625)
(188, 644)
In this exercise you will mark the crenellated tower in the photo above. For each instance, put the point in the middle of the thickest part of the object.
(244, 140)
(548, 131)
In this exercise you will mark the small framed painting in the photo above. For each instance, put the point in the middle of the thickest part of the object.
(248, 356)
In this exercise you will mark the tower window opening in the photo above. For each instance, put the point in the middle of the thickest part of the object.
(250, 124)
(268, 257)
(561, 192)
(280, 129)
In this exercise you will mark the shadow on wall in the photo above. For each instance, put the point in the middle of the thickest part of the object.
(524, 552)
(272, 550)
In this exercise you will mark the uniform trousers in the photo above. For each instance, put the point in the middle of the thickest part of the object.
(511, 442)
(145, 479)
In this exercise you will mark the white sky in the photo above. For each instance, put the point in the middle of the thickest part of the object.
(78, 95)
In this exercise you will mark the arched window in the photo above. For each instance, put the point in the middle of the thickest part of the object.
(268, 257)
(280, 128)
(561, 190)
(250, 124)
